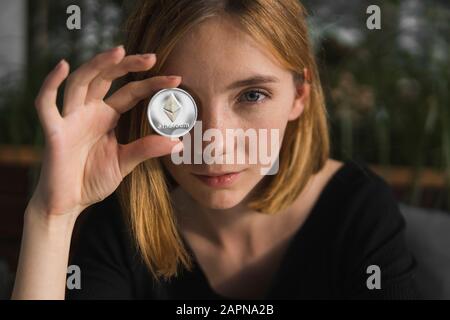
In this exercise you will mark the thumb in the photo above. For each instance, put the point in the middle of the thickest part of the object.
(151, 146)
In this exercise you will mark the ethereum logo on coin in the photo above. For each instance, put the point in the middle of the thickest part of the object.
(172, 107)
(172, 112)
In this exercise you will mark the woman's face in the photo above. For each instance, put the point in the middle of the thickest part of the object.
(213, 60)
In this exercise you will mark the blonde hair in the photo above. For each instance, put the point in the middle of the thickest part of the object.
(156, 26)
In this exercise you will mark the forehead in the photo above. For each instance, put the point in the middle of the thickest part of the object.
(218, 48)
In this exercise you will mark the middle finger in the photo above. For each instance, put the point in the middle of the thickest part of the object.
(100, 86)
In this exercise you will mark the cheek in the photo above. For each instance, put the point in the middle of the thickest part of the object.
(271, 114)
(271, 117)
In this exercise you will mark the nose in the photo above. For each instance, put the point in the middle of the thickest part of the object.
(212, 116)
(216, 118)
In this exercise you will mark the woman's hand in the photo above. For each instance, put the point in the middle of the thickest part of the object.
(83, 163)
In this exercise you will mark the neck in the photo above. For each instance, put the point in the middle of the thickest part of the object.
(228, 227)
(217, 225)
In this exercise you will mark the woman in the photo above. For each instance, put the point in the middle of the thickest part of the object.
(315, 229)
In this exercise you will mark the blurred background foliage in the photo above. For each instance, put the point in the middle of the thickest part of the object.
(386, 90)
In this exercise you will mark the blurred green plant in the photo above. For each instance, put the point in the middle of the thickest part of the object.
(389, 105)
(48, 41)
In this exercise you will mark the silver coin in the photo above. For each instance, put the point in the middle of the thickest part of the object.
(172, 112)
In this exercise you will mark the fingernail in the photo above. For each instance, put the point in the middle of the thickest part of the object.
(148, 55)
(177, 148)
(173, 77)
(116, 48)
(59, 64)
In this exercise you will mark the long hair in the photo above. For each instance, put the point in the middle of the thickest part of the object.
(155, 26)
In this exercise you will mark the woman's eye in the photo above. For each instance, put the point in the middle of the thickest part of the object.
(253, 96)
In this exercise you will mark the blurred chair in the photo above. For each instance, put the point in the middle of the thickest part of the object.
(428, 237)
(5, 281)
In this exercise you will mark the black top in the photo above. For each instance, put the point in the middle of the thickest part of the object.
(355, 223)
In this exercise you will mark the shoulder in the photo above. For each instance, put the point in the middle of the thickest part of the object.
(360, 204)
(353, 174)
(367, 230)
(354, 194)
(354, 186)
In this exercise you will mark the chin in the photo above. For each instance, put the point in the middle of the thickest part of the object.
(219, 199)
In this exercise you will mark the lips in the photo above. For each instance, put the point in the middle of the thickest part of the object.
(218, 179)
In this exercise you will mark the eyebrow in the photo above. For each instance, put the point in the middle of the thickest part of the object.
(254, 80)
(251, 81)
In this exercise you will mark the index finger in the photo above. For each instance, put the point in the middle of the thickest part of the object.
(129, 95)
(46, 99)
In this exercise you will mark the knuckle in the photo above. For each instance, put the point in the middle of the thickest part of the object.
(74, 79)
(96, 62)
(132, 89)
